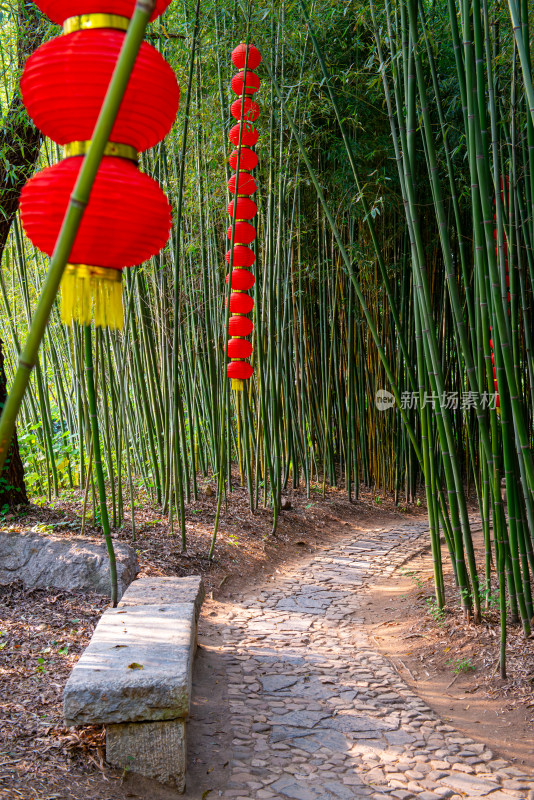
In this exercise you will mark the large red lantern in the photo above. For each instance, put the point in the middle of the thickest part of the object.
(128, 217)
(243, 136)
(65, 81)
(60, 10)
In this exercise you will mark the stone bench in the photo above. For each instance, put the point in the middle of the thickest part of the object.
(135, 677)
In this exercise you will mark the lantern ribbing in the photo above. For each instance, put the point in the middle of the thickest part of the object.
(128, 217)
(242, 209)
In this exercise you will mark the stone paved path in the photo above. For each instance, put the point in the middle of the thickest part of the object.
(318, 714)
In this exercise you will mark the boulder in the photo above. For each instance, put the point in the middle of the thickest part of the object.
(42, 561)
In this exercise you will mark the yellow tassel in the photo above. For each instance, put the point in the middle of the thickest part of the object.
(92, 293)
(238, 384)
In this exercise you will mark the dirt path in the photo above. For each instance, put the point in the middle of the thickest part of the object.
(293, 701)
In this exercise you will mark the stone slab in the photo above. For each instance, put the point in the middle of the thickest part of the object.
(469, 784)
(42, 561)
(137, 667)
(154, 749)
(169, 591)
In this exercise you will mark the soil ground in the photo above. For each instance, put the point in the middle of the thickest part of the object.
(453, 665)
(43, 633)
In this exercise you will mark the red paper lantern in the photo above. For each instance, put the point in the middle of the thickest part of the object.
(245, 184)
(249, 137)
(239, 370)
(120, 228)
(245, 233)
(243, 257)
(239, 348)
(248, 159)
(246, 109)
(248, 85)
(241, 303)
(242, 279)
(240, 326)
(239, 55)
(66, 79)
(60, 10)
(246, 208)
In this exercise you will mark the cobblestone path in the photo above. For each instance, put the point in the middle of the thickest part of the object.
(318, 714)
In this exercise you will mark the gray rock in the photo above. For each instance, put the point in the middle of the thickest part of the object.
(136, 668)
(42, 561)
(168, 591)
(350, 723)
(468, 784)
(153, 749)
(282, 732)
(273, 683)
(300, 719)
(293, 790)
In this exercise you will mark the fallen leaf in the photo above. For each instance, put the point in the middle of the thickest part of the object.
(135, 665)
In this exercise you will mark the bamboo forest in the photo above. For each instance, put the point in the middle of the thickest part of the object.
(267, 347)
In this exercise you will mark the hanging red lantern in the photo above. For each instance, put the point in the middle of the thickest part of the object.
(128, 217)
(60, 10)
(239, 370)
(242, 280)
(245, 85)
(137, 228)
(245, 184)
(239, 348)
(249, 137)
(66, 79)
(246, 208)
(119, 229)
(239, 56)
(243, 256)
(246, 109)
(244, 232)
(248, 159)
(241, 303)
(240, 326)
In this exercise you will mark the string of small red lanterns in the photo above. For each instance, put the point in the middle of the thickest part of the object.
(495, 385)
(241, 257)
(128, 217)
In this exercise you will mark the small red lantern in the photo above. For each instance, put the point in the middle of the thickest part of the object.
(245, 184)
(248, 159)
(246, 208)
(244, 232)
(240, 326)
(245, 109)
(239, 56)
(243, 256)
(242, 280)
(241, 208)
(240, 371)
(251, 83)
(249, 137)
(241, 303)
(128, 217)
(239, 348)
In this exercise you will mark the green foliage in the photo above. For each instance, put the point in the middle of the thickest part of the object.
(461, 665)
